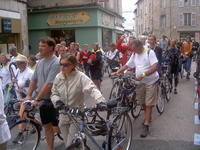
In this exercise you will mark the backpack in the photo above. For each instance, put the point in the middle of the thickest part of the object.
(174, 58)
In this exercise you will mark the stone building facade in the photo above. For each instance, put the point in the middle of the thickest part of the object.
(79, 21)
(176, 19)
(13, 25)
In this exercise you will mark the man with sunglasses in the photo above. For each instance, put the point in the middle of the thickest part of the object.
(42, 82)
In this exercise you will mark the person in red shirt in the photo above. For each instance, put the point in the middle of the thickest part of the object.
(84, 56)
(126, 50)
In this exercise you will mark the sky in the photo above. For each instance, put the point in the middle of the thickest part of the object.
(128, 7)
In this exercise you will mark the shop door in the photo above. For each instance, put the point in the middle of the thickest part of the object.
(66, 35)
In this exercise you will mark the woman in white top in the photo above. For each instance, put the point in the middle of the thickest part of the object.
(23, 76)
(69, 86)
(5, 76)
(4, 129)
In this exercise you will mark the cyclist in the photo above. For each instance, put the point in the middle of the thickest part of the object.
(113, 57)
(41, 82)
(4, 129)
(174, 56)
(145, 63)
(70, 86)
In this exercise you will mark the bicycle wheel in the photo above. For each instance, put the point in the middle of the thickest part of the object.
(167, 90)
(78, 145)
(114, 91)
(161, 100)
(135, 111)
(120, 134)
(28, 138)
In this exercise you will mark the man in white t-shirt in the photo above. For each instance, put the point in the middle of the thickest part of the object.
(145, 63)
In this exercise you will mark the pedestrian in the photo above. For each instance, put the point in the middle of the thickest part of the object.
(163, 43)
(158, 51)
(5, 76)
(61, 51)
(125, 49)
(4, 129)
(186, 50)
(84, 56)
(32, 61)
(96, 62)
(145, 63)
(13, 52)
(174, 56)
(42, 82)
(76, 84)
(23, 77)
(113, 57)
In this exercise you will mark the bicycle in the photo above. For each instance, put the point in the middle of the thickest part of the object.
(32, 132)
(164, 89)
(125, 86)
(114, 132)
(197, 77)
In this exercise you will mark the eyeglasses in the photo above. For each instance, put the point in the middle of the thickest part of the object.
(65, 65)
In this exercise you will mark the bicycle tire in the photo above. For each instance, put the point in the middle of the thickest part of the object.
(124, 127)
(78, 145)
(28, 142)
(115, 88)
(161, 100)
(135, 111)
(167, 90)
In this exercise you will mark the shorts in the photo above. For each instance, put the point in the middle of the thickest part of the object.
(147, 94)
(48, 113)
(96, 73)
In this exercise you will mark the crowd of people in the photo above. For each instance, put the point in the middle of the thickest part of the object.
(64, 73)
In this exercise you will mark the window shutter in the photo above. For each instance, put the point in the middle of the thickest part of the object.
(181, 20)
(197, 2)
(181, 3)
(194, 20)
(193, 2)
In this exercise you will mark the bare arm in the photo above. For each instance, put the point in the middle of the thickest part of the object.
(44, 90)
(122, 69)
(32, 87)
(152, 69)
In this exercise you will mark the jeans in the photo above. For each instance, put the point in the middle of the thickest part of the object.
(187, 64)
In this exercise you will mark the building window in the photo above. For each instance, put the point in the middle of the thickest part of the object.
(163, 21)
(188, 19)
(183, 3)
(163, 3)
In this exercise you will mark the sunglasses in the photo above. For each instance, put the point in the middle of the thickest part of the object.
(65, 65)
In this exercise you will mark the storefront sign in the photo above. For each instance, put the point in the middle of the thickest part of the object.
(107, 20)
(6, 25)
(56, 19)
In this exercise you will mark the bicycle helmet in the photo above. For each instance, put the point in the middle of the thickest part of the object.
(98, 127)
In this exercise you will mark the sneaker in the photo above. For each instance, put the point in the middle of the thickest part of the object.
(175, 91)
(19, 138)
(188, 76)
(145, 131)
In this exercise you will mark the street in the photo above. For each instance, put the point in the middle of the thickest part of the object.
(173, 130)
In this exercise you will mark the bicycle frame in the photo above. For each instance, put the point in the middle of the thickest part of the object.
(81, 124)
